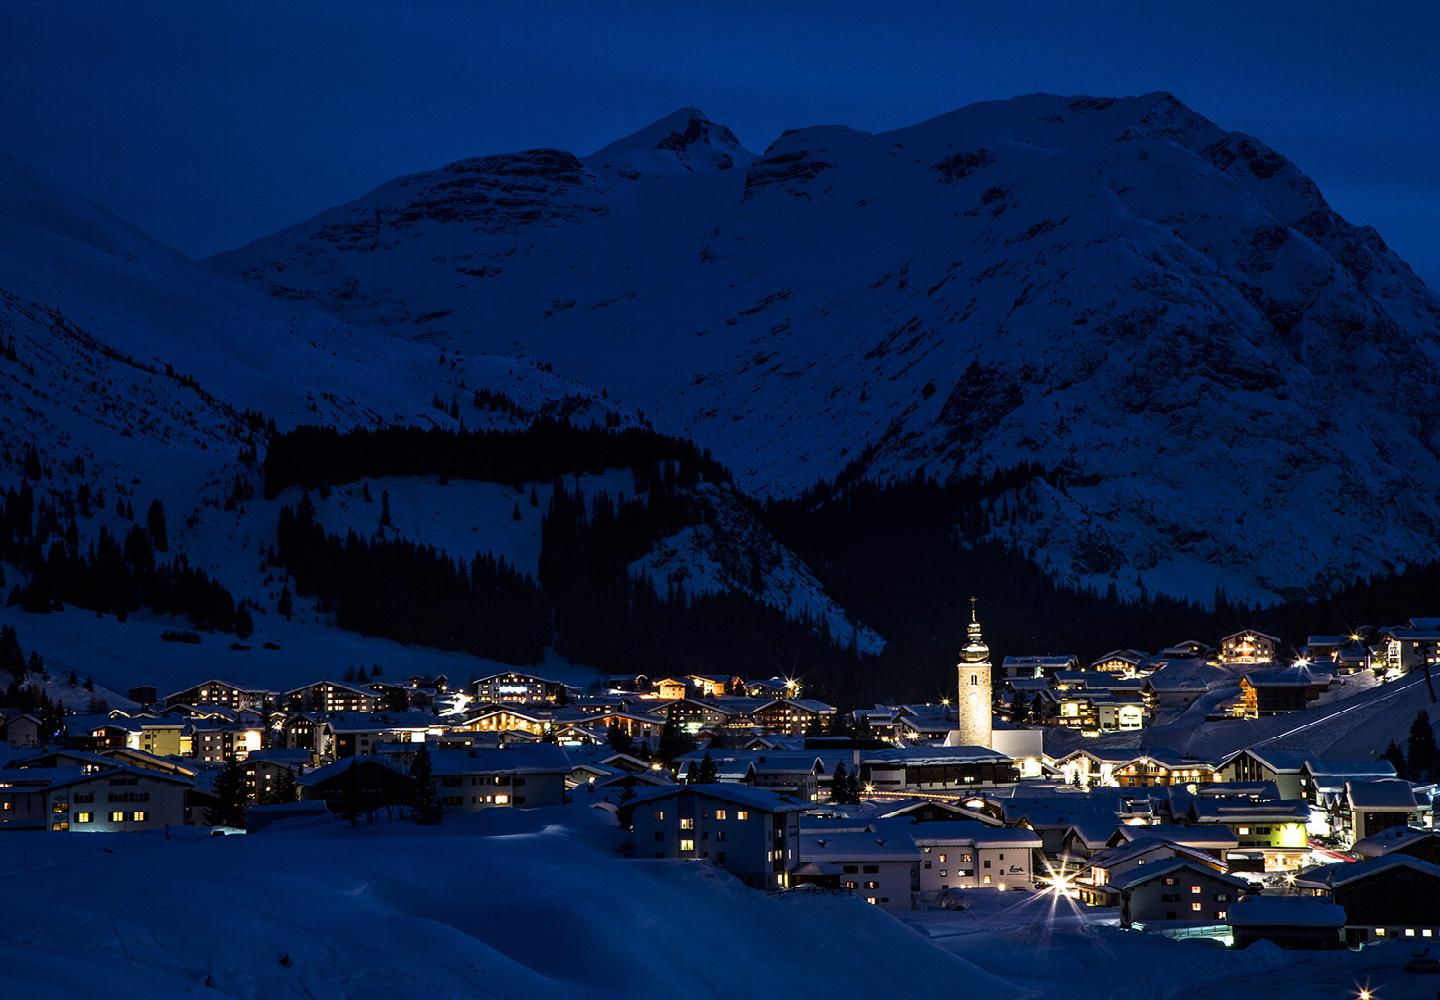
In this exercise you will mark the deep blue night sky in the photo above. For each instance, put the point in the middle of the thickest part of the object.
(209, 124)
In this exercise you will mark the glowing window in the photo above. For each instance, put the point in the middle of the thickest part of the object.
(117, 817)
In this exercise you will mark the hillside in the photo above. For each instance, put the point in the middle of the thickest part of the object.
(1214, 366)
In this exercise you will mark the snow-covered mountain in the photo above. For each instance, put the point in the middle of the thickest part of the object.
(1232, 383)
(139, 374)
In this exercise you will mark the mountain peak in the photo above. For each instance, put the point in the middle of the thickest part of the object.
(686, 137)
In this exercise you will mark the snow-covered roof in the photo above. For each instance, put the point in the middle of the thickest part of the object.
(1285, 911)
(1377, 845)
(1206, 835)
(1148, 873)
(839, 847)
(336, 768)
(932, 755)
(1382, 793)
(762, 799)
(969, 831)
(1342, 873)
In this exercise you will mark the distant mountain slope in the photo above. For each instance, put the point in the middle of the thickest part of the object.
(130, 373)
(1231, 383)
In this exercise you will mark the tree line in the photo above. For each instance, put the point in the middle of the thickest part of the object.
(311, 457)
(110, 574)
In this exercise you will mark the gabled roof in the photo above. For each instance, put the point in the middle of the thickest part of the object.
(1148, 873)
(322, 774)
(1277, 760)
(342, 685)
(1342, 873)
(1377, 845)
(1147, 845)
(1391, 794)
(1285, 911)
(1207, 835)
(527, 758)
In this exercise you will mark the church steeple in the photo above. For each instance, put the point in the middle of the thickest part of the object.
(975, 650)
(972, 708)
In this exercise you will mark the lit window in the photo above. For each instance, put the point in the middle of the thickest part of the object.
(1221, 915)
(1195, 907)
(138, 816)
(1194, 890)
(1379, 932)
(742, 814)
(82, 817)
(659, 814)
(686, 823)
(117, 817)
(721, 814)
(686, 844)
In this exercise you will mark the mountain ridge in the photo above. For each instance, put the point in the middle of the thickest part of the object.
(1168, 312)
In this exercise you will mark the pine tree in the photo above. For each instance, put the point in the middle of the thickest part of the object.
(385, 521)
(285, 606)
(155, 525)
(840, 785)
(515, 514)
(1420, 749)
(1396, 757)
(229, 809)
(427, 801)
(619, 739)
(244, 624)
(672, 741)
(32, 463)
(709, 775)
(284, 789)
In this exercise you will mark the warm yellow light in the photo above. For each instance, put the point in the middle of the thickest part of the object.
(869, 788)
(1366, 994)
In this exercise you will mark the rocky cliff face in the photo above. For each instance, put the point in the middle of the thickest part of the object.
(1234, 384)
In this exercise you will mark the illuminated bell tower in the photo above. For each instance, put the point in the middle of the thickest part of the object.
(973, 718)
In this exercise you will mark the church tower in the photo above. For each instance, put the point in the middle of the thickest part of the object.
(973, 725)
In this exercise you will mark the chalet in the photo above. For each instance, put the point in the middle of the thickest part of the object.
(792, 716)
(773, 687)
(1322, 782)
(1394, 897)
(361, 734)
(358, 785)
(641, 728)
(1378, 805)
(1014, 667)
(1121, 661)
(693, 715)
(1112, 865)
(217, 742)
(878, 867)
(222, 693)
(1402, 649)
(265, 770)
(507, 719)
(19, 729)
(671, 688)
(1287, 921)
(1249, 646)
(1253, 764)
(1158, 767)
(934, 769)
(713, 685)
(1401, 840)
(1270, 836)
(1178, 685)
(967, 854)
(1214, 839)
(111, 799)
(514, 687)
(309, 731)
(1187, 649)
(1287, 689)
(753, 833)
(1177, 892)
(522, 777)
(331, 696)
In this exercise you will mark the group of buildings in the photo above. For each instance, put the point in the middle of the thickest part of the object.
(903, 806)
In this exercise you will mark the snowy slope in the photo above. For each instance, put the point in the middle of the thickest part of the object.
(1227, 378)
(516, 904)
(481, 906)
